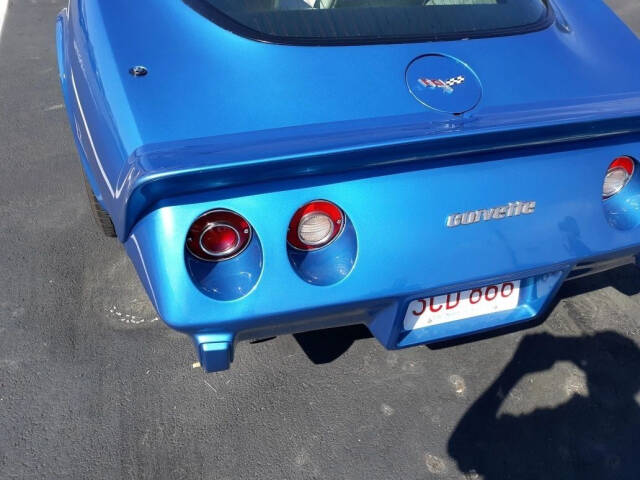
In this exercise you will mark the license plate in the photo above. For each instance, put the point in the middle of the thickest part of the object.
(425, 312)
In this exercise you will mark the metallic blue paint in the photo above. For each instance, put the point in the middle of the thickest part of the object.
(221, 121)
(230, 279)
(623, 210)
(330, 264)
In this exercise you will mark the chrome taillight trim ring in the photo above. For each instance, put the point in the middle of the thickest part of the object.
(215, 258)
(341, 222)
(225, 252)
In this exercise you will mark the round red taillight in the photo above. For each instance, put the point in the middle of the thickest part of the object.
(315, 225)
(218, 235)
(618, 175)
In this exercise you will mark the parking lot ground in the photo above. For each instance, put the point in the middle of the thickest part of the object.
(93, 385)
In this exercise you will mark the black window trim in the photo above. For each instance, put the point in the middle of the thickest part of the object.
(224, 21)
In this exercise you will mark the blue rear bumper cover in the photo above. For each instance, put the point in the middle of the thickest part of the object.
(404, 249)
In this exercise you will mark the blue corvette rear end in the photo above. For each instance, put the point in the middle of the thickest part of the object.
(465, 169)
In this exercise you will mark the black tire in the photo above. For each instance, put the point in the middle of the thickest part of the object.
(101, 217)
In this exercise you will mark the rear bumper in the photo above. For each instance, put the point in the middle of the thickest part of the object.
(404, 249)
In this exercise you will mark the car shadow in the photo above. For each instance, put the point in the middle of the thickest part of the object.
(325, 346)
(592, 435)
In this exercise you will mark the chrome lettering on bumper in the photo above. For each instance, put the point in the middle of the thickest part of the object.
(512, 209)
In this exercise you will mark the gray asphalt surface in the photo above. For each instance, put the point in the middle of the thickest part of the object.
(92, 385)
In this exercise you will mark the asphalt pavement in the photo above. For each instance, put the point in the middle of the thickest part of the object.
(93, 385)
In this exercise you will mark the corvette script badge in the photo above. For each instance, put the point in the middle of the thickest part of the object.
(513, 209)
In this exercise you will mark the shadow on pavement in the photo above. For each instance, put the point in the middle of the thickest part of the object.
(324, 346)
(594, 436)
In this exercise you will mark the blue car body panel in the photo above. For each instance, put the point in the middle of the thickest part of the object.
(222, 121)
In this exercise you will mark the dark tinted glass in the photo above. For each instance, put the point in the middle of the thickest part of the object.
(327, 21)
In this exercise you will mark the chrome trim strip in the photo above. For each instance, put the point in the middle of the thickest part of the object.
(86, 127)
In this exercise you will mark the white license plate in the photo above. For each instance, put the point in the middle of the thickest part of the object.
(425, 312)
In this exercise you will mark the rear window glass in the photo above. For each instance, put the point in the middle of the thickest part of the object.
(373, 21)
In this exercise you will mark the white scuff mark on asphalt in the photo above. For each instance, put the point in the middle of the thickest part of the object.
(434, 464)
(10, 365)
(3, 10)
(57, 106)
(12, 310)
(413, 367)
(130, 318)
(210, 386)
(392, 359)
(576, 383)
(387, 410)
(302, 458)
(458, 384)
